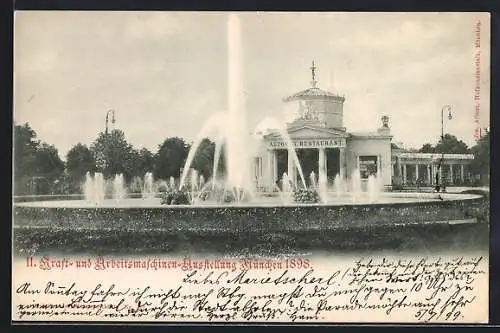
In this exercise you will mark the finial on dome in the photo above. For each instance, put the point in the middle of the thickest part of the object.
(313, 72)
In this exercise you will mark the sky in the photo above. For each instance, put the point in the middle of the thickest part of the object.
(165, 73)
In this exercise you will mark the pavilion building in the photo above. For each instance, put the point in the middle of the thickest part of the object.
(325, 147)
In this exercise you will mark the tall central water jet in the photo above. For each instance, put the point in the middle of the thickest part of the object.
(230, 127)
(238, 163)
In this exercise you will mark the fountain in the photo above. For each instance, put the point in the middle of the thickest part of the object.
(356, 189)
(323, 187)
(286, 189)
(338, 186)
(372, 189)
(312, 179)
(193, 194)
(230, 127)
(88, 189)
(201, 181)
(118, 187)
(94, 188)
(148, 190)
(99, 187)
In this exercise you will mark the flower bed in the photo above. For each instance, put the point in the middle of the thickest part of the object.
(306, 196)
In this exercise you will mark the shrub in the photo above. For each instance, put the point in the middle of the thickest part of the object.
(175, 197)
(302, 195)
(228, 197)
(222, 195)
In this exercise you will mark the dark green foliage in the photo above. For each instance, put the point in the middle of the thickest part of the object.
(79, 161)
(481, 163)
(221, 195)
(170, 158)
(175, 197)
(114, 155)
(449, 144)
(301, 195)
(38, 168)
(228, 197)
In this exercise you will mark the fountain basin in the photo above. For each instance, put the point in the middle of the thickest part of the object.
(141, 214)
(131, 226)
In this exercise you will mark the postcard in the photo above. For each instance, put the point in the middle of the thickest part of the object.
(328, 167)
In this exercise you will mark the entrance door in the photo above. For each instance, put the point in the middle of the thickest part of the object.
(332, 163)
(309, 162)
(282, 159)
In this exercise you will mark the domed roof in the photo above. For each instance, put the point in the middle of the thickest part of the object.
(314, 93)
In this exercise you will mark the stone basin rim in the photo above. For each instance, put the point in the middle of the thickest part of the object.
(420, 198)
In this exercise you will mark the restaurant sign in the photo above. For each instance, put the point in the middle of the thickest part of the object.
(312, 143)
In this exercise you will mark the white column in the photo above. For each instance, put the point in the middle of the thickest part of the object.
(404, 173)
(291, 169)
(451, 173)
(434, 172)
(258, 174)
(322, 164)
(275, 166)
(462, 173)
(342, 162)
(429, 179)
(379, 165)
(416, 171)
(270, 169)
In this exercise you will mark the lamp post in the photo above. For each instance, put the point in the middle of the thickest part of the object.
(112, 119)
(440, 171)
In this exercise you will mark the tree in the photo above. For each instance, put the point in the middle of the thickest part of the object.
(145, 162)
(25, 148)
(204, 158)
(48, 164)
(36, 164)
(427, 148)
(449, 144)
(481, 163)
(222, 169)
(79, 161)
(170, 158)
(113, 154)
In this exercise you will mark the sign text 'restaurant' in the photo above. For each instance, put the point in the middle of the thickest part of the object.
(325, 143)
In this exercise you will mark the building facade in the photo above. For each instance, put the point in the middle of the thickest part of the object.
(326, 149)
(422, 168)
